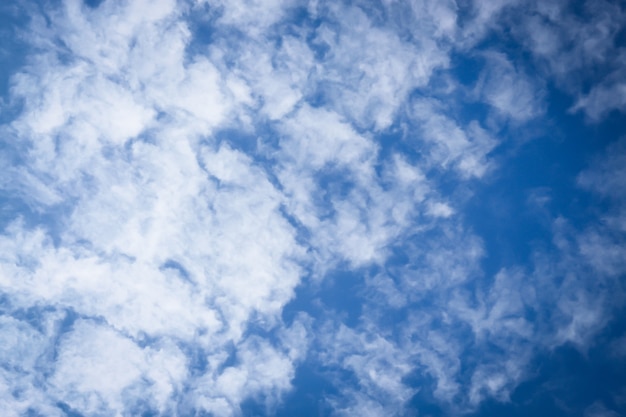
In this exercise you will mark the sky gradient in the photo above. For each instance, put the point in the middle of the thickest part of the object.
(312, 208)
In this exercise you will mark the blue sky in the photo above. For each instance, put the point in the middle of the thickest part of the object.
(310, 208)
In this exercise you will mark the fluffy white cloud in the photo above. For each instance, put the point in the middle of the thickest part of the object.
(371, 92)
(166, 240)
(179, 192)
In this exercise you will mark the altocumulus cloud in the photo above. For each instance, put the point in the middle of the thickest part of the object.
(310, 208)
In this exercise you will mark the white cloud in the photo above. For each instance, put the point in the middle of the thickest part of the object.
(166, 250)
(571, 48)
(483, 16)
(379, 366)
(114, 140)
(598, 409)
(251, 16)
(507, 89)
(601, 245)
(457, 317)
(392, 344)
(602, 99)
(370, 92)
(328, 174)
(97, 366)
(450, 145)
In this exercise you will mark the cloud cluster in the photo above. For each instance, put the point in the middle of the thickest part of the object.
(178, 169)
(161, 244)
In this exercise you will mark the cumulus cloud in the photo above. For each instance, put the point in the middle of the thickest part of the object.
(135, 192)
(178, 172)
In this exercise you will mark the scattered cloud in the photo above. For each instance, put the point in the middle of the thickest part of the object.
(177, 173)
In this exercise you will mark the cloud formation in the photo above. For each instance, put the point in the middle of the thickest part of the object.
(190, 188)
